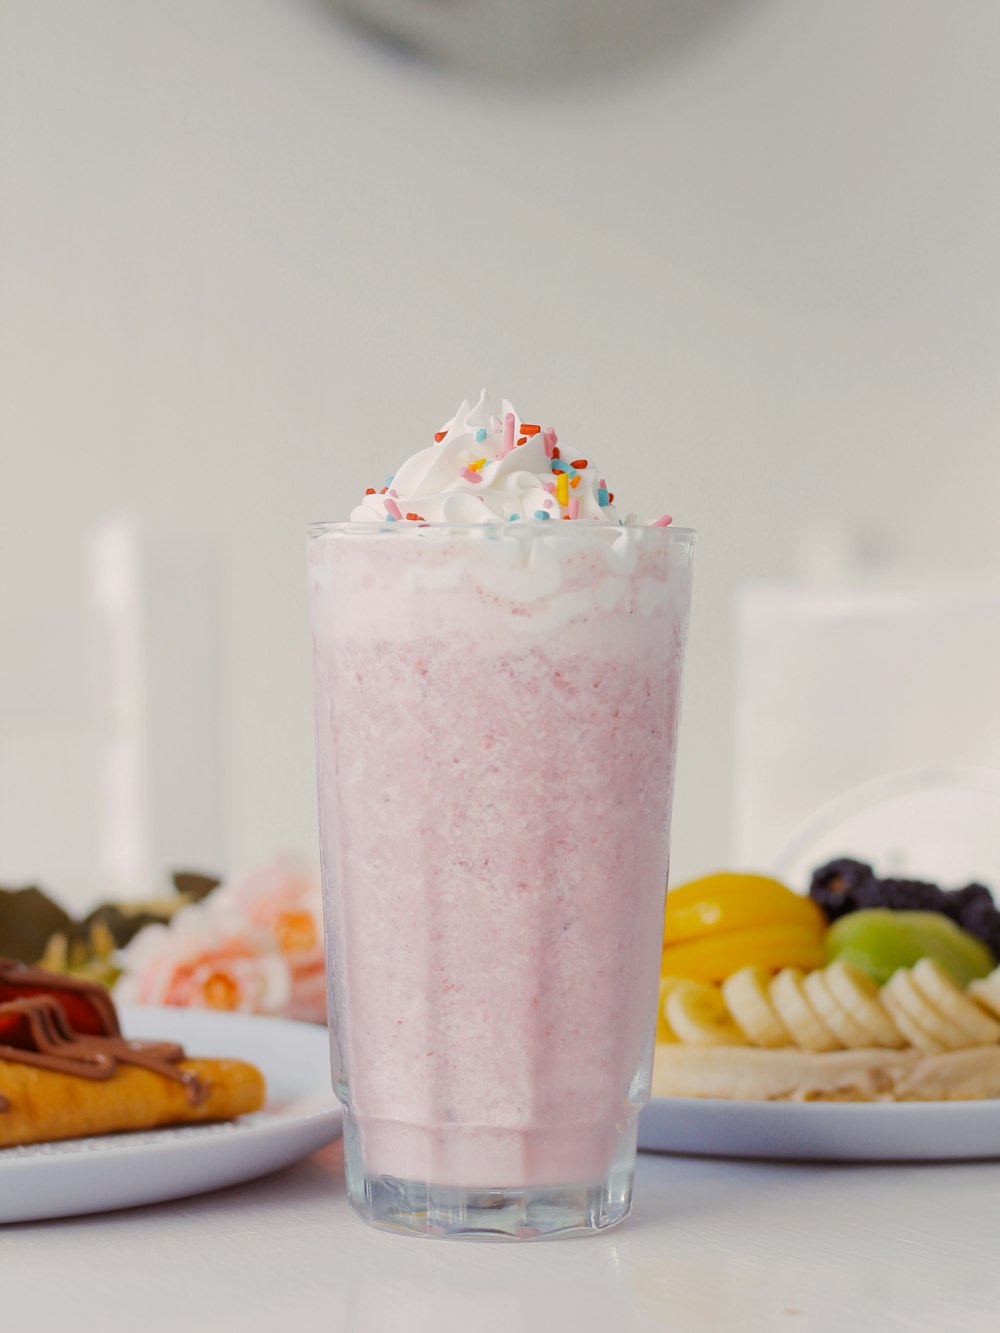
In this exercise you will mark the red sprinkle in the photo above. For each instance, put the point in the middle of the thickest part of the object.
(529, 430)
(383, 490)
(611, 497)
(555, 451)
(440, 436)
(416, 518)
(523, 439)
(370, 490)
(580, 464)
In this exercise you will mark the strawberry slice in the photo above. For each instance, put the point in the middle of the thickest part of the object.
(88, 1007)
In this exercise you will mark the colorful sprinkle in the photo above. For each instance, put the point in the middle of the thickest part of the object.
(523, 439)
(540, 513)
(514, 518)
(574, 482)
(549, 441)
(390, 518)
(562, 489)
(508, 433)
(469, 475)
(663, 522)
(392, 508)
(529, 430)
(370, 490)
(549, 486)
(416, 518)
(481, 434)
(580, 463)
(477, 466)
(440, 436)
(574, 507)
(390, 480)
(602, 496)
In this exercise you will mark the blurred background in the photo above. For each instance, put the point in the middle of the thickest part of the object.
(253, 252)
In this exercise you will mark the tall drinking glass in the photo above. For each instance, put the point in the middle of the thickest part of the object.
(496, 716)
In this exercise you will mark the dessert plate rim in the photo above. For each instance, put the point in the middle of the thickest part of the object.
(90, 1175)
(915, 1131)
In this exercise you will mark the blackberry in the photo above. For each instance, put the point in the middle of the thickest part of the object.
(835, 887)
(909, 895)
(956, 902)
(974, 910)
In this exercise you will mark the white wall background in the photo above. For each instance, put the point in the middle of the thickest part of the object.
(247, 262)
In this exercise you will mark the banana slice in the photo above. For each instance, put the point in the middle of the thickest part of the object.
(855, 991)
(836, 1017)
(917, 1019)
(746, 994)
(986, 992)
(664, 1032)
(793, 1008)
(951, 1002)
(697, 1013)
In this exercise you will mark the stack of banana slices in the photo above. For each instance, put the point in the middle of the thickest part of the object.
(829, 1033)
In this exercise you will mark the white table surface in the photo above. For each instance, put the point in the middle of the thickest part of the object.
(711, 1245)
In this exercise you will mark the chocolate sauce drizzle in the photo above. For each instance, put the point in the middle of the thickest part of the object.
(18, 981)
(56, 1047)
(37, 1021)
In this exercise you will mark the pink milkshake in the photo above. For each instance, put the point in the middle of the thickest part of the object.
(496, 699)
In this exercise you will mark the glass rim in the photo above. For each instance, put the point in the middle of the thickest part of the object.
(536, 527)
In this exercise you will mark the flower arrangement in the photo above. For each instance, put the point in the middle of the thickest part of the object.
(254, 945)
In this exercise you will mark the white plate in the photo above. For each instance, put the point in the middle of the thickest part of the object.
(822, 1131)
(123, 1170)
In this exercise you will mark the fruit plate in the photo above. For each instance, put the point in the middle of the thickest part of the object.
(123, 1170)
(822, 1131)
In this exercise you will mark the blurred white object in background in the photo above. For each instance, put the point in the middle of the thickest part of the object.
(517, 40)
(868, 724)
(111, 726)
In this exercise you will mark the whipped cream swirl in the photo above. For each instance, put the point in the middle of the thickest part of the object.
(488, 466)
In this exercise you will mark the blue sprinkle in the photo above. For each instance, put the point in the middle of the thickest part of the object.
(390, 480)
(541, 513)
(481, 435)
(514, 518)
(560, 465)
(390, 518)
(602, 496)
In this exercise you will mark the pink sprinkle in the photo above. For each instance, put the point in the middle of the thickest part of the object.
(663, 522)
(391, 507)
(547, 504)
(508, 433)
(394, 493)
(549, 486)
(603, 484)
(574, 507)
(549, 441)
(469, 475)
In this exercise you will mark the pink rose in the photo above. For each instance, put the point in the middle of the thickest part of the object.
(255, 945)
(205, 959)
(285, 899)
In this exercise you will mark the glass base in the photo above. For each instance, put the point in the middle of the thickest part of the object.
(418, 1208)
